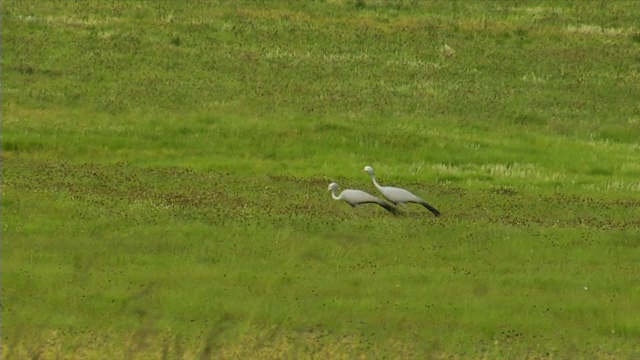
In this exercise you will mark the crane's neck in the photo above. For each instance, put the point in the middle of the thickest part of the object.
(373, 177)
(333, 195)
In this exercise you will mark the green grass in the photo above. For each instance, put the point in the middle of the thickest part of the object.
(165, 172)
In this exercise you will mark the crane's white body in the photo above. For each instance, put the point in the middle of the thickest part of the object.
(358, 197)
(397, 195)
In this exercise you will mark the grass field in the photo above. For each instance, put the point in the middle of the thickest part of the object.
(165, 172)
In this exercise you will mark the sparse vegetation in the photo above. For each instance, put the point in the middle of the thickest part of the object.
(165, 170)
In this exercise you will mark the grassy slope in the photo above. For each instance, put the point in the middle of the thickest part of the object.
(165, 171)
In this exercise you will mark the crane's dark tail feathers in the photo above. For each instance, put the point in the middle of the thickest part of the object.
(431, 208)
(390, 208)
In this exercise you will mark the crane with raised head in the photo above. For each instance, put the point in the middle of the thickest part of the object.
(397, 195)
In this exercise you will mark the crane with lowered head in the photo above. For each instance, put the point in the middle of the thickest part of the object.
(358, 197)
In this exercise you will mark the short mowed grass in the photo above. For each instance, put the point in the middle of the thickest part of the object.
(165, 172)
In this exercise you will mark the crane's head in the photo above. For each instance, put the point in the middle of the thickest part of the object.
(368, 169)
(333, 186)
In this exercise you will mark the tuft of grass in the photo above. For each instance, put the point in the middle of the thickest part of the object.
(529, 119)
